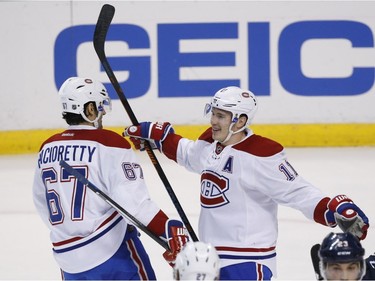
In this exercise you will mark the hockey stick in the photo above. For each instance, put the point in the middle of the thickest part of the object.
(315, 261)
(104, 20)
(112, 203)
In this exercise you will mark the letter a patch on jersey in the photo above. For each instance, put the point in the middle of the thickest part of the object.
(228, 167)
(213, 188)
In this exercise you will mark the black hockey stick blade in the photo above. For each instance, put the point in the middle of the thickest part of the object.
(101, 30)
(315, 261)
(105, 18)
(113, 203)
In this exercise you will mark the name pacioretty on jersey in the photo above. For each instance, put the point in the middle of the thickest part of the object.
(66, 153)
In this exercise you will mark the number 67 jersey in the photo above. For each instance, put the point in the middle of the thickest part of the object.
(84, 229)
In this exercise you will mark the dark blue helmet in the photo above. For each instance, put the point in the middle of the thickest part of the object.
(341, 247)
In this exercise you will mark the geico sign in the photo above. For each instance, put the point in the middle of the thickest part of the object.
(170, 59)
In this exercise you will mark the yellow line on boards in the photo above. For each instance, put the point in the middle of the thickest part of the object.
(289, 135)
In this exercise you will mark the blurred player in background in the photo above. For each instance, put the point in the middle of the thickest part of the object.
(91, 240)
(342, 258)
(244, 177)
(370, 268)
(197, 261)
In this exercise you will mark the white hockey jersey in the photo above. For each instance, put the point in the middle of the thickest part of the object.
(85, 230)
(241, 187)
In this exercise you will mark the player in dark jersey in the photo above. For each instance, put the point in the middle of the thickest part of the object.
(370, 268)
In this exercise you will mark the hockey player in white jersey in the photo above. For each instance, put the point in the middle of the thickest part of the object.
(91, 240)
(244, 177)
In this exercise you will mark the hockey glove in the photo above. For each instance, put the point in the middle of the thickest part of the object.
(176, 236)
(347, 215)
(155, 133)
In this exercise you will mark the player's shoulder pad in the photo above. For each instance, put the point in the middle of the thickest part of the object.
(207, 136)
(259, 146)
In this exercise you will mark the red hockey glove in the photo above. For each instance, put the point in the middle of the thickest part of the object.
(176, 236)
(347, 215)
(155, 133)
(139, 144)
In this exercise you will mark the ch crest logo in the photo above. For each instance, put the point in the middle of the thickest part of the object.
(213, 188)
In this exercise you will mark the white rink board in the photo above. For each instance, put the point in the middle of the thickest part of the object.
(28, 56)
(24, 242)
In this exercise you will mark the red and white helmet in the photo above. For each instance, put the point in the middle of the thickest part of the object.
(235, 100)
(197, 261)
(75, 92)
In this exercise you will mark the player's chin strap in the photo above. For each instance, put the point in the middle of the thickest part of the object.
(95, 121)
(231, 132)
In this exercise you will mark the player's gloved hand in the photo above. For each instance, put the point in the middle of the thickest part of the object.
(139, 144)
(155, 133)
(176, 236)
(347, 215)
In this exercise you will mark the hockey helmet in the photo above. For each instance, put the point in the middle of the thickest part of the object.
(75, 92)
(235, 100)
(197, 261)
(341, 247)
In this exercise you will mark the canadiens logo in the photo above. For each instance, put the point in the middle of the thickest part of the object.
(219, 148)
(245, 94)
(213, 188)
